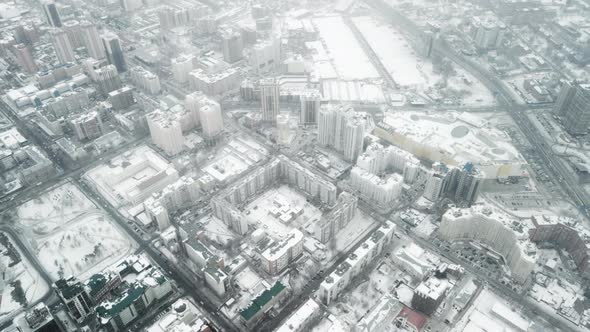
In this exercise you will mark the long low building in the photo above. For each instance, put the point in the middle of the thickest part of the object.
(504, 234)
(255, 311)
(454, 138)
(132, 177)
(301, 319)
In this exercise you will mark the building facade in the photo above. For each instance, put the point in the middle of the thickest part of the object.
(310, 106)
(269, 99)
(63, 47)
(114, 51)
(573, 106)
(342, 129)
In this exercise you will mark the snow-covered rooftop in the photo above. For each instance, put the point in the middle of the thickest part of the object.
(454, 138)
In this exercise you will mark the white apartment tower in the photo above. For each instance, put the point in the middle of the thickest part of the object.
(166, 132)
(193, 103)
(145, 80)
(74, 32)
(341, 128)
(434, 186)
(211, 119)
(181, 67)
(25, 58)
(232, 46)
(63, 47)
(92, 40)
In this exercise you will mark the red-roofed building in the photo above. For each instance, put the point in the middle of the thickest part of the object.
(410, 320)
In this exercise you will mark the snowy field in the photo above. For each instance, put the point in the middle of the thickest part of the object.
(395, 53)
(83, 248)
(473, 92)
(348, 58)
(410, 71)
(69, 234)
(31, 282)
(54, 209)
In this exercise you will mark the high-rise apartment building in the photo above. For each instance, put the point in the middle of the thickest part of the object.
(145, 80)
(269, 99)
(25, 58)
(232, 46)
(310, 106)
(63, 47)
(114, 51)
(108, 79)
(52, 14)
(211, 119)
(166, 131)
(462, 184)
(573, 105)
(181, 67)
(87, 125)
(74, 32)
(341, 128)
(92, 40)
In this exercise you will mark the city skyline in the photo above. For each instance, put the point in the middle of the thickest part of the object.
(291, 166)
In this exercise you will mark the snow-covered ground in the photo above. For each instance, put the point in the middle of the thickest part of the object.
(409, 70)
(54, 209)
(395, 53)
(31, 282)
(259, 211)
(86, 246)
(348, 58)
(474, 93)
(69, 234)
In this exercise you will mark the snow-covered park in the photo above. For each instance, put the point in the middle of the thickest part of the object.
(70, 235)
